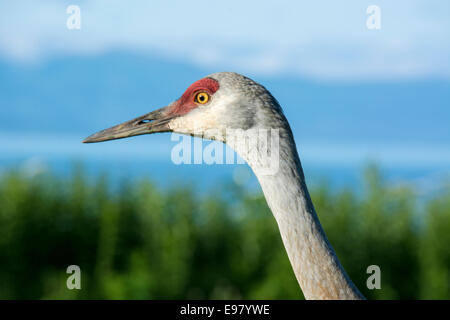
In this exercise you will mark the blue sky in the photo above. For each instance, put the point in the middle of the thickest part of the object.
(317, 39)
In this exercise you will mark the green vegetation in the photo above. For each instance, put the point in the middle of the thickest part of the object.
(138, 242)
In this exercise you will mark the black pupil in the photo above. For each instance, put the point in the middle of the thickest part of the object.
(201, 97)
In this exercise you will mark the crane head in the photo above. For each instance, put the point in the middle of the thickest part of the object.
(218, 102)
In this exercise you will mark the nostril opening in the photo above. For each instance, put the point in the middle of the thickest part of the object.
(144, 121)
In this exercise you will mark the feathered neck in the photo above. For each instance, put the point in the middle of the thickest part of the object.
(315, 264)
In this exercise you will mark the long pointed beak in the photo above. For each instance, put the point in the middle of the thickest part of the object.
(155, 121)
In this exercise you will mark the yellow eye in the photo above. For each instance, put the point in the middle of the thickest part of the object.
(202, 97)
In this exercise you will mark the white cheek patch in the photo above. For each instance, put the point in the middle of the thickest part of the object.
(195, 121)
(211, 116)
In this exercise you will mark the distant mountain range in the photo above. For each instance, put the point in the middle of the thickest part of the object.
(47, 109)
(80, 94)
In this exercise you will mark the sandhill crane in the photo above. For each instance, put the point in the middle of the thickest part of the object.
(224, 101)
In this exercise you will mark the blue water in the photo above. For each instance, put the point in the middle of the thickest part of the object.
(47, 109)
(426, 180)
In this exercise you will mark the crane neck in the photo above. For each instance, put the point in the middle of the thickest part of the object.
(315, 264)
